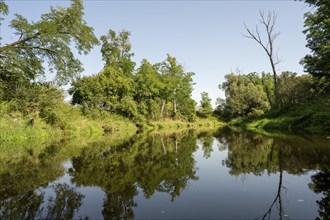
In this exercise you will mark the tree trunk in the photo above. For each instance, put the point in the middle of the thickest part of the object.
(174, 109)
(163, 145)
(162, 109)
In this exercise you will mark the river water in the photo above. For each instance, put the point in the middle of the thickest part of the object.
(221, 174)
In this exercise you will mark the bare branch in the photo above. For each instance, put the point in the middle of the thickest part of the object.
(268, 22)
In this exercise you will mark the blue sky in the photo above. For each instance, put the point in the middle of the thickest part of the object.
(204, 36)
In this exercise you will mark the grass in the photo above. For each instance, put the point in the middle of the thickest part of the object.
(310, 117)
(178, 124)
(22, 141)
(67, 130)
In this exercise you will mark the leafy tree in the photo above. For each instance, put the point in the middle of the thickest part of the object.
(205, 109)
(317, 30)
(116, 51)
(243, 97)
(221, 108)
(149, 84)
(178, 88)
(113, 88)
(46, 40)
(293, 89)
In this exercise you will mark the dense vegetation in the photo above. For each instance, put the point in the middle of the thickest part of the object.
(124, 95)
(286, 101)
(119, 97)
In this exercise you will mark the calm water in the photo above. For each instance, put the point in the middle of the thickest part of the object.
(187, 175)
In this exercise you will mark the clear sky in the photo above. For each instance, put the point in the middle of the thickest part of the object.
(205, 36)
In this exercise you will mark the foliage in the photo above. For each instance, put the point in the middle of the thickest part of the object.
(178, 89)
(243, 96)
(116, 51)
(46, 40)
(205, 109)
(140, 96)
(299, 118)
(317, 30)
(293, 89)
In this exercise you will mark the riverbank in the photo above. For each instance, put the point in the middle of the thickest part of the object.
(312, 117)
(27, 137)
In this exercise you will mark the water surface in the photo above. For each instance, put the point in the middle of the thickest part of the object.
(185, 175)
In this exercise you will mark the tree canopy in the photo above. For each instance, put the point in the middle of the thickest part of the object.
(317, 30)
(48, 39)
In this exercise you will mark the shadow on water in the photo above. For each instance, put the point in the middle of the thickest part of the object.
(159, 163)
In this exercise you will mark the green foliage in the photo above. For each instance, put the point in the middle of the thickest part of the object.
(243, 96)
(116, 51)
(311, 117)
(293, 89)
(317, 30)
(113, 88)
(148, 81)
(205, 109)
(47, 40)
(140, 96)
(178, 88)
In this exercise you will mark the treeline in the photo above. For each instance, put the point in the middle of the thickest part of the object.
(253, 95)
(286, 94)
(150, 92)
(42, 59)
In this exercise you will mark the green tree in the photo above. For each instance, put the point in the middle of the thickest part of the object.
(47, 40)
(149, 86)
(113, 88)
(177, 90)
(205, 109)
(116, 51)
(317, 30)
(293, 89)
(221, 108)
(243, 97)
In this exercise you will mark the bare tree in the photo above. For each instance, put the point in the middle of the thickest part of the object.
(268, 22)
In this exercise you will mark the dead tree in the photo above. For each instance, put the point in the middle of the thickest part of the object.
(268, 22)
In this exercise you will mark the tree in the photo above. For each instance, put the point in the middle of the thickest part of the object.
(243, 97)
(205, 109)
(47, 40)
(177, 90)
(148, 80)
(116, 51)
(317, 30)
(113, 88)
(293, 89)
(220, 108)
(268, 21)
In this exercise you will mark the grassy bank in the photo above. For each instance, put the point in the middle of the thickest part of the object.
(177, 124)
(311, 117)
(27, 137)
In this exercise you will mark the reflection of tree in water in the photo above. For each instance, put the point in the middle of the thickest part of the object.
(29, 205)
(21, 206)
(155, 163)
(206, 140)
(278, 198)
(255, 153)
(321, 184)
(19, 194)
(65, 204)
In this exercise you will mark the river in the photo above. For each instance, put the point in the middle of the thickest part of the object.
(222, 174)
